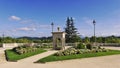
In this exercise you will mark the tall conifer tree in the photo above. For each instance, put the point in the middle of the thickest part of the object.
(71, 31)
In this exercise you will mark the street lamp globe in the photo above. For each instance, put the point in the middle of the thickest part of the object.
(94, 22)
(52, 24)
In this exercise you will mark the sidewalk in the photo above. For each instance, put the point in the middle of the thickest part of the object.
(36, 57)
(113, 48)
(2, 56)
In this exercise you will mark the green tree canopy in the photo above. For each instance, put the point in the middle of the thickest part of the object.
(71, 31)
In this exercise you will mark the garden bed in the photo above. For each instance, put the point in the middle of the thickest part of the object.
(77, 56)
(11, 55)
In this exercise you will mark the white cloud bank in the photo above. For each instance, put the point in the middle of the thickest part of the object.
(88, 21)
(27, 29)
(14, 18)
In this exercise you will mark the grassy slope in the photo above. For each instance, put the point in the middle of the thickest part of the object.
(13, 56)
(59, 58)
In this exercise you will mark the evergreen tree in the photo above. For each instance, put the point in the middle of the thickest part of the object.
(71, 31)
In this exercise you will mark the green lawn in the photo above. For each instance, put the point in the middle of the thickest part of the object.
(13, 56)
(78, 56)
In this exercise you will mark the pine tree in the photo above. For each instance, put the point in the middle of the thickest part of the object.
(71, 31)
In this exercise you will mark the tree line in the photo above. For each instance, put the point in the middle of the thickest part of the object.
(25, 40)
(108, 39)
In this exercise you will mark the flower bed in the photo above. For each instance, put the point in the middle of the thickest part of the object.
(22, 52)
(80, 51)
(24, 49)
(73, 51)
(77, 56)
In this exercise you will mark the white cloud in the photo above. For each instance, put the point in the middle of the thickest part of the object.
(88, 21)
(34, 24)
(14, 18)
(40, 26)
(27, 29)
(108, 34)
(27, 21)
(45, 26)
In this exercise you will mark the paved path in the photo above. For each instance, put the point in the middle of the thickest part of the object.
(96, 62)
(2, 56)
(37, 57)
(114, 48)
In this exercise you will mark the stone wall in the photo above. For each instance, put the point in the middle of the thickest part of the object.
(12, 45)
(9, 45)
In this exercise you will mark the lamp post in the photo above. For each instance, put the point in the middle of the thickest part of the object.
(3, 38)
(52, 24)
(94, 22)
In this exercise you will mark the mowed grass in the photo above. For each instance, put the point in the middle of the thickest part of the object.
(77, 56)
(13, 56)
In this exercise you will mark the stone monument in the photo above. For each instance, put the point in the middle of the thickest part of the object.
(58, 39)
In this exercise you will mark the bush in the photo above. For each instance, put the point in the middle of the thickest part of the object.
(69, 51)
(104, 50)
(73, 51)
(81, 46)
(60, 53)
(24, 49)
(79, 52)
(99, 47)
(89, 46)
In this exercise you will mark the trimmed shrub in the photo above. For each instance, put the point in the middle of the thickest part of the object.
(79, 52)
(99, 47)
(81, 46)
(24, 49)
(60, 53)
(89, 46)
(104, 50)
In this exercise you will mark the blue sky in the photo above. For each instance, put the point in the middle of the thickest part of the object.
(33, 17)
